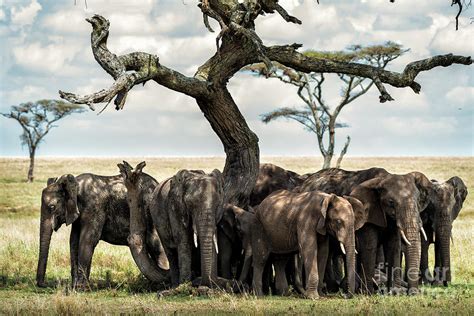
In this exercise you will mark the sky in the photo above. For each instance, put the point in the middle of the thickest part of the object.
(45, 47)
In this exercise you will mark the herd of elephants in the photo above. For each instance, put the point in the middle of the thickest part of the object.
(324, 232)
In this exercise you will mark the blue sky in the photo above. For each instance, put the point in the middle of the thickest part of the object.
(45, 47)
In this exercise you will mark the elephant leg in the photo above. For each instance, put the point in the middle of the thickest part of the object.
(281, 282)
(74, 251)
(329, 277)
(184, 262)
(426, 277)
(88, 240)
(392, 249)
(299, 286)
(323, 255)
(368, 239)
(260, 253)
(437, 273)
(309, 249)
(174, 267)
(225, 255)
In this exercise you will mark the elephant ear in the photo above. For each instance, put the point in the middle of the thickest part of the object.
(227, 223)
(460, 194)
(51, 181)
(368, 192)
(361, 211)
(426, 188)
(177, 194)
(70, 188)
(325, 204)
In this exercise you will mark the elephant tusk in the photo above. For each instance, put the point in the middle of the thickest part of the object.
(342, 248)
(423, 233)
(404, 238)
(195, 239)
(214, 238)
(356, 251)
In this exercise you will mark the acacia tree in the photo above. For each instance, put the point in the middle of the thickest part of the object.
(37, 119)
(238, 45)
(317, 116)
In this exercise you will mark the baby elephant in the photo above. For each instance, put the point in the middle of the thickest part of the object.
(290, 222)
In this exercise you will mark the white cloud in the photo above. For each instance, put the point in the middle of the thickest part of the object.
(409, 126)
(446, 40)
(25, 15)
(461, 95)
(67, 21)
(2, 15)
(51, 58)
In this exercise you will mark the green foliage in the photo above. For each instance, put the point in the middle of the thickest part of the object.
(378, 55)
(37, 118)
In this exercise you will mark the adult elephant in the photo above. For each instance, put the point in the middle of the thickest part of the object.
(395, 203)
(97, 208)
(272, 178)
(185, 207)
(443, 209)
(298, 222)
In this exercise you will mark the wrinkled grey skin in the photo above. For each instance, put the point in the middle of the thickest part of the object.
(270, 179)
(438, 218)
(395, 203)
(187, 204)
(97, 208)
(289, 222)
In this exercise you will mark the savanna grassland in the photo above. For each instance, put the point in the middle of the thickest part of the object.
(117, 286)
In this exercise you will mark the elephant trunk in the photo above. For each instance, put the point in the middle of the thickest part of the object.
(410, 233)
(349, 246)
(136, 242)
(443, 235)
(206, 234)
(46, 230)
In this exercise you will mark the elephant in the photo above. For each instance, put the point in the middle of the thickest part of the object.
(395, 203)
(184, 207)
(97, 208)
(437, 219)
(272, 178)
(290, 222)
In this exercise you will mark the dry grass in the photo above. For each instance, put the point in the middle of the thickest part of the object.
(118, 286)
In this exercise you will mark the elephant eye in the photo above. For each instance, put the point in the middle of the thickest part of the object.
(51, 207)
(391, 203)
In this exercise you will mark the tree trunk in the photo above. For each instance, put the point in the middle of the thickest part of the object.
(240, 145)
(343, 152)
(327, 161)
(32, 165)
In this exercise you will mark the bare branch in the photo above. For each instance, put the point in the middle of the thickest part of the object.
(343, 152)
(289, 57)
(129, 70)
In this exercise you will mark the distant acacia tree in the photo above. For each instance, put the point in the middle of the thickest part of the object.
(317, 116)
(36, 120)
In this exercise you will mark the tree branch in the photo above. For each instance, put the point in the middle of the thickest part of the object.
(129, 70)
(289, 57)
